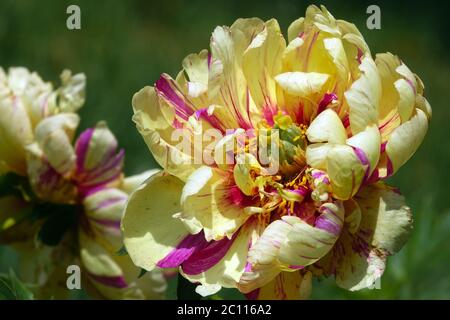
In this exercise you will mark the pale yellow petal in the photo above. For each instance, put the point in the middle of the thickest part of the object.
(150, 232)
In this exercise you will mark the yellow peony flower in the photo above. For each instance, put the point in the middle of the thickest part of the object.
(340, 121)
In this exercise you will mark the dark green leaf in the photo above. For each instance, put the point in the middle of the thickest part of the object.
(10, 184)
(142, 273)
(122, 251)
(11, 288)
(186, 289)
(60, 220)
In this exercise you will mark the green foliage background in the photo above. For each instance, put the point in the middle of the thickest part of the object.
(125, 45)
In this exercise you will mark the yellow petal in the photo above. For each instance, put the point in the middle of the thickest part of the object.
(327, 127)
(316, 155)
(155, 122)
(302, 84)
(367, 144)
(262, 61)
(196, 68)
(15, 133)
(54, 136)
(305, 244)
(210, 203)
(406, 139)
(150, 232)
(287, 286)
(105, 205)
(131, 183)
(345, 171)
(363, 97)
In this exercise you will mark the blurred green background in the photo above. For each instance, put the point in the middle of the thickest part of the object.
(125, 45)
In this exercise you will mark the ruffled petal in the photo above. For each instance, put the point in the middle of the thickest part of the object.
(98, 160)
(54, 136)
(156, 122)
(406, 139)
(260, 63)
(363, 97)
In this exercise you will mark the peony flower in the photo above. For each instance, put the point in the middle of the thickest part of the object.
(25, 100)
(341, 122)
(85, 180)
(89, 174)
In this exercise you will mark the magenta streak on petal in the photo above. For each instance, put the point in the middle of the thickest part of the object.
(82, 147)
(364, 160)
(385, 124)
(326, 100)
(253, 295)
(207, 257)
(211, 119)
(236, 197)
(360, 55)
(183, 250)
(374, 177)
(360, 246)
(165, 87)
(177, 124)
(383, 147)
(301, 191)
(296, 267)
(238, 116)
(110, 202)
(209, 60)
(346, 121)
(268, 113)
(114, 163)
(324, 223)
(324, 209)
(413, 87)
(50, 176)
(317, 174)
(299, 116)
(248, 267)
(305, 66)
(115, 282)
(107, 223)
(93, 180)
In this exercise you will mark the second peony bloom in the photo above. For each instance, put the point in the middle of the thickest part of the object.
(341, 122)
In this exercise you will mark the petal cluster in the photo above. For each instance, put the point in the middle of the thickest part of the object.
(25, 100)
(341, 122)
